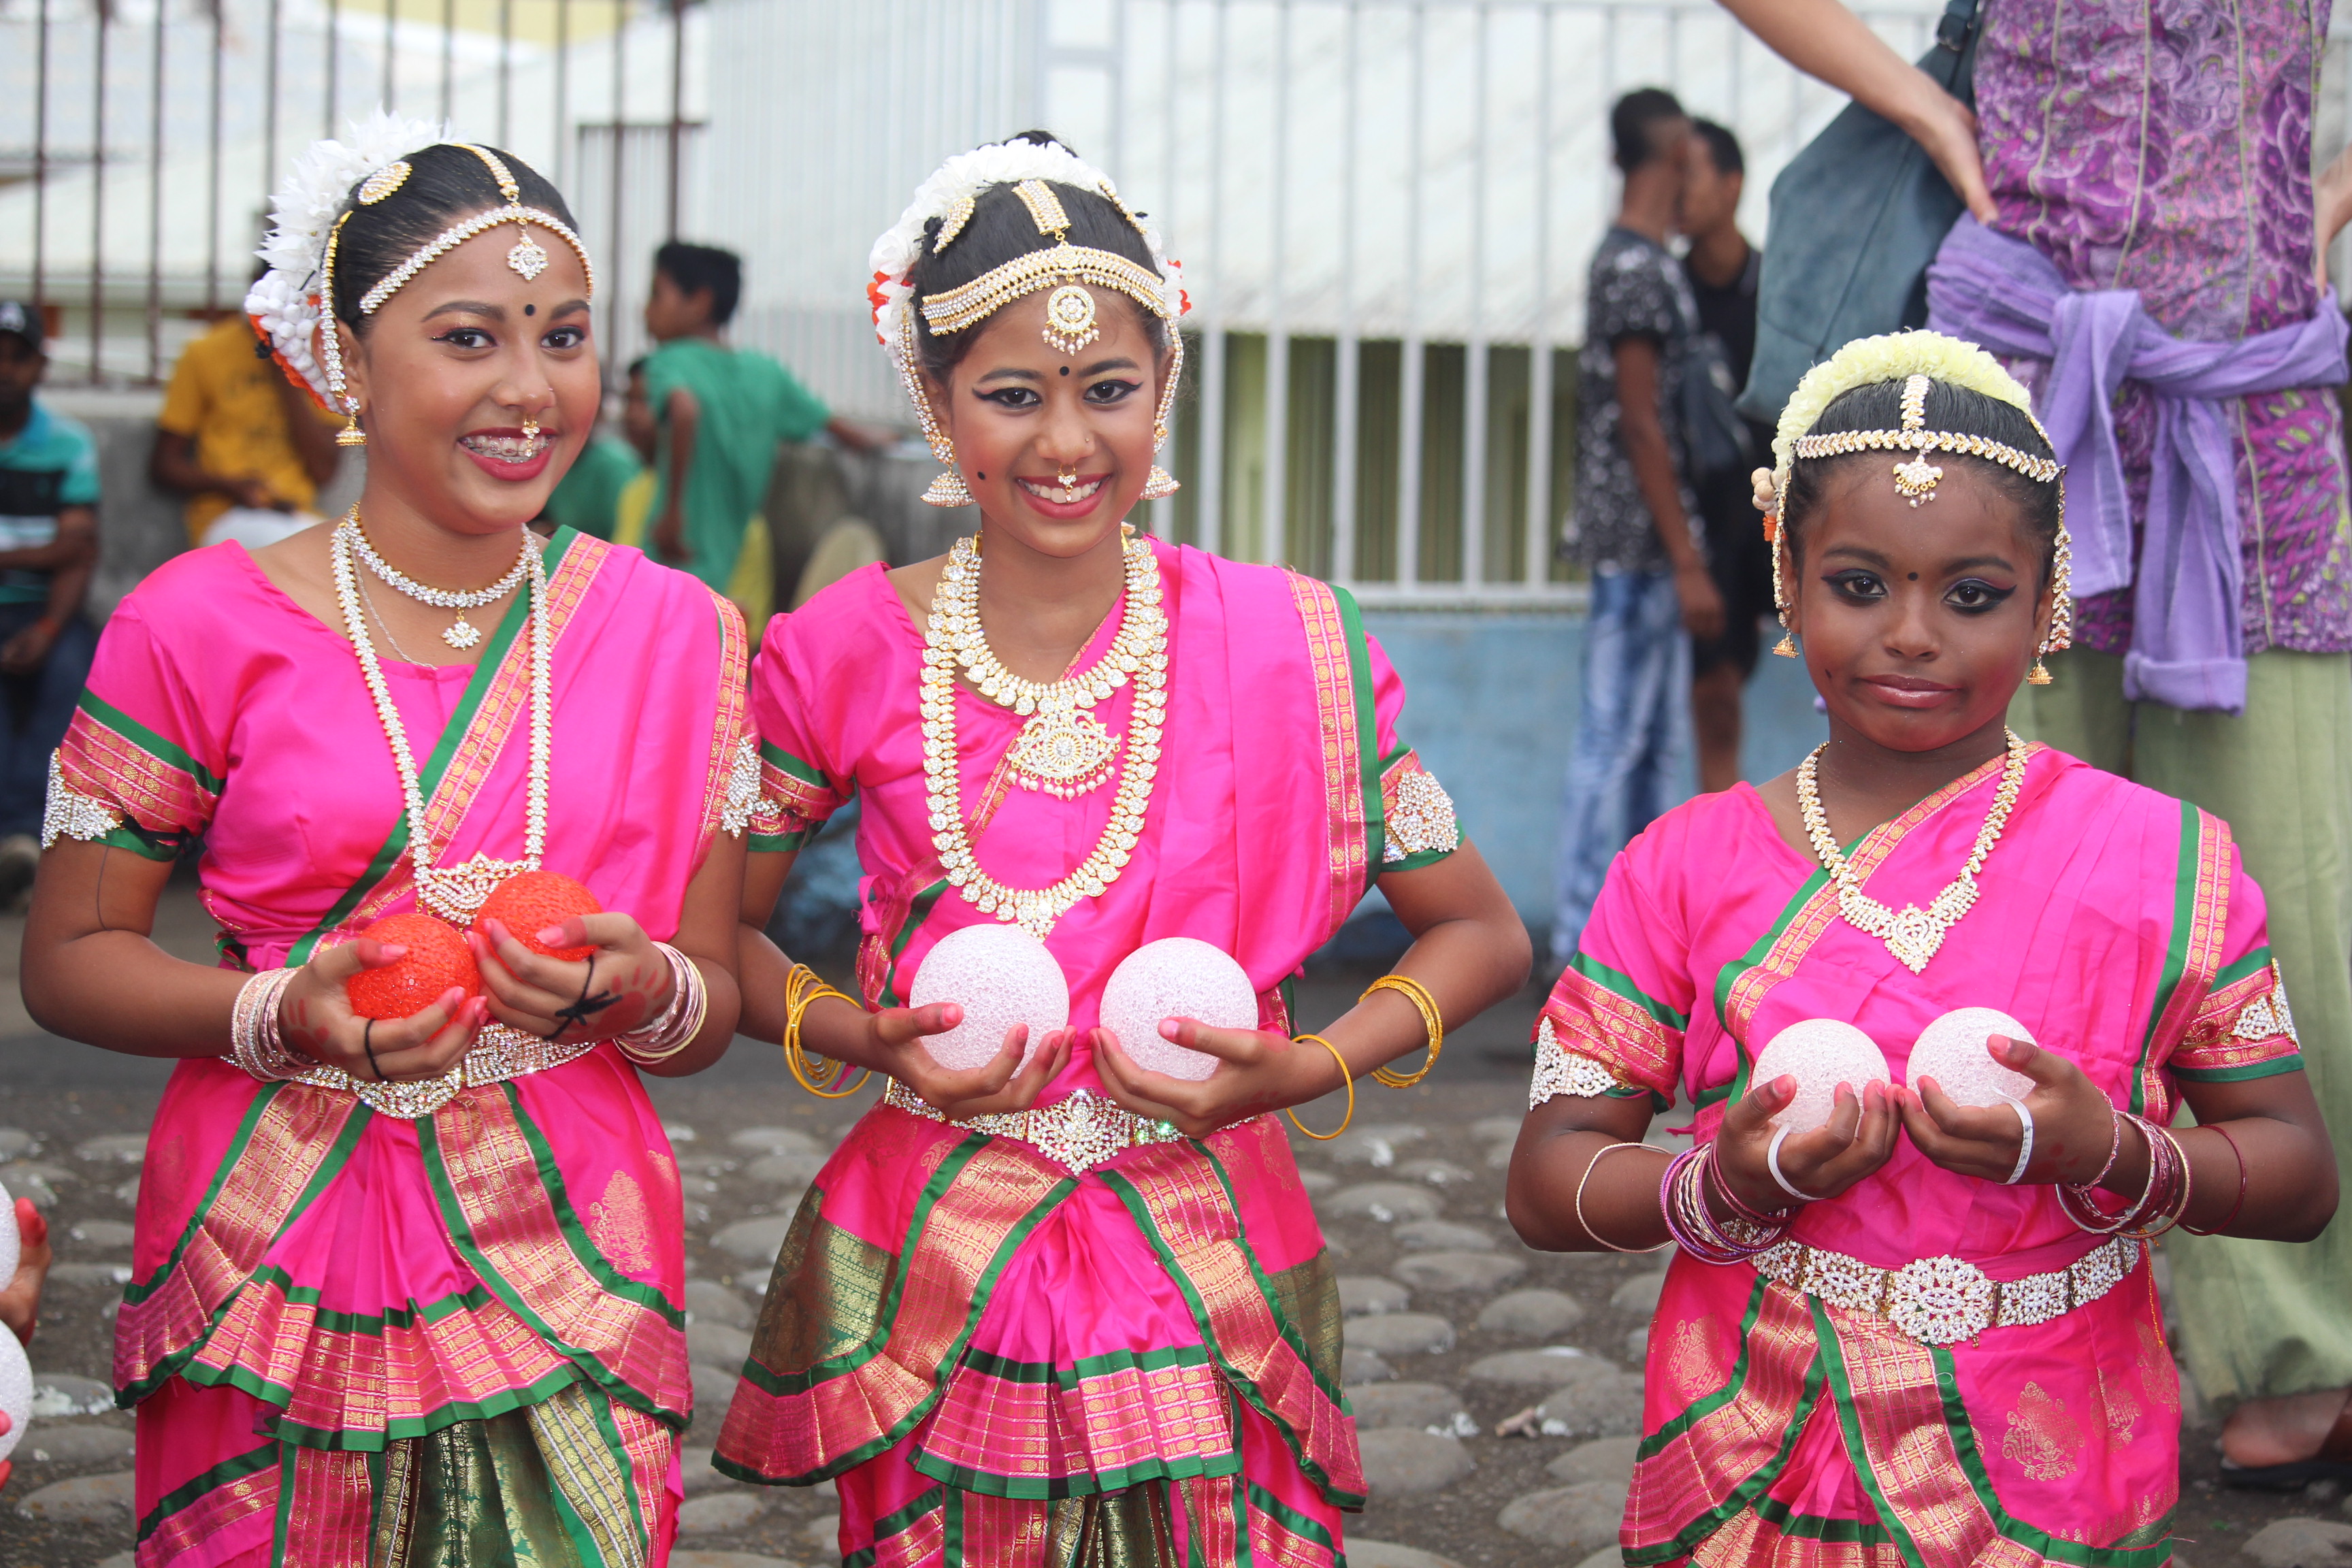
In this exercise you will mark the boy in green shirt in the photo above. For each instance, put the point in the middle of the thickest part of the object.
(720, 412)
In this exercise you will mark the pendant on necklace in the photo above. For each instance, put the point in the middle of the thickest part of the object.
(1064, 752)
(464, 635)
(456, 893)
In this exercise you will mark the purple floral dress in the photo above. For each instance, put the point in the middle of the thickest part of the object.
(2165, 145)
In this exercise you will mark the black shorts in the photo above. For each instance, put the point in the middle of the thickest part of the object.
(1740, 562)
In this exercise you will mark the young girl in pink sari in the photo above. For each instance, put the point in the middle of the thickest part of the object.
(1079, 1311)
(408, 1290)
(1924, 1331)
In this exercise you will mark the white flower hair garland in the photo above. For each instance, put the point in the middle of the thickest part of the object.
(963, 178)
(284, 304)
(1891, 356)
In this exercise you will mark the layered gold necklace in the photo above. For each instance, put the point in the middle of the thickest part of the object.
(1913, 934)
(1063, 749)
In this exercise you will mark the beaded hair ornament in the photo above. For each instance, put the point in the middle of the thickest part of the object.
(1918, 360)
(293, 301)
(950, 196)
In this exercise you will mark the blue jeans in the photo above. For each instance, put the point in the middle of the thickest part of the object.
(1632, 744)
(35, 708)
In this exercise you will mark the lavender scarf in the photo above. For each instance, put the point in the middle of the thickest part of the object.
(2187, 647)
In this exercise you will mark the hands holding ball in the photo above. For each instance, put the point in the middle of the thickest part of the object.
(1977, 1082)
(403, 1001)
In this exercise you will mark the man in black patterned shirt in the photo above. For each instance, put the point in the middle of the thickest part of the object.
(1631, 521)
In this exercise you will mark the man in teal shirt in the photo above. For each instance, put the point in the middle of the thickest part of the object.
(721, 411)
(49, 543)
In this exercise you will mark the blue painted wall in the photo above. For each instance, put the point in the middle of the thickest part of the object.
(1491, 701)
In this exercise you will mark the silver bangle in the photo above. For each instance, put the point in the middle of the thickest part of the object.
(255, 1044)
(1772, 1163)
(1586, 1226)
(2025, 1149)
(689, 1004)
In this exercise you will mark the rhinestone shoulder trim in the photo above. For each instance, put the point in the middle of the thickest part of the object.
(1561, 1071)
(742, 801)
(2265, 1017)
(1422, 819)
(72, 815)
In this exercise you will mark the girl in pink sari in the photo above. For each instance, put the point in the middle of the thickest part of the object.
(1925, 1332)
(408, 1290)
(1079, 1312)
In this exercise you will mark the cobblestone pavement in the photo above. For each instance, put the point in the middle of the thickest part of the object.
(1453, 1326)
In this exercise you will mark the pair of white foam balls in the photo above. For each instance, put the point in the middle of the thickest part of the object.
(1001, 976)
(1821, 1053)
(15, 1371)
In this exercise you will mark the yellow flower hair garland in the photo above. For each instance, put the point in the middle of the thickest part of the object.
(1892, 356)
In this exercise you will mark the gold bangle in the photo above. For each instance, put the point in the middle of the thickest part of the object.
(1345, 1077)
(803, 989)
(1431, 1020)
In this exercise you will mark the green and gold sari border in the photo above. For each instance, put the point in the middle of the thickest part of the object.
(181, 1362)
(1290, 1519)
(1334, 1392)
(1619, 982)
(453, 734)
(1070, 1376)
(1962, 1433)
(2175, 948)
(917, 911)
(1747, 1494)
(1243, 1383)
(371, 1440)
(2246, 968)
(608, 1278)
(229, 1472)
(2291, 1062)
(130, 730)
(1054, 1488)
(1368, 733)
(897, 1523)
(984, 1289)
(1707, 1405)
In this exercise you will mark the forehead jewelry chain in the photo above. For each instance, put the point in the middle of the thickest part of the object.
(1914, 935)
(456, 893)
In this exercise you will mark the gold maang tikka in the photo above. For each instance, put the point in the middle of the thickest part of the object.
(1915, 479)
(1071, 318)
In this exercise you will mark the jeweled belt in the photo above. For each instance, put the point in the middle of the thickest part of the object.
(498, 1054)
(1943, 1301)
(1077, 1132)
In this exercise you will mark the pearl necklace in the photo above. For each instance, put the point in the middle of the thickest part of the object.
(1064, 750)
(456, 893)
(464, 633)
(1914, 935)
(1037, 908)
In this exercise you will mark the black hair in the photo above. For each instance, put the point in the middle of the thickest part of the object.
(698, 267)
(1958, 409)
(1722, 147)
(1631, 121)
(636, 367)
(447, 184)
(1000, 229)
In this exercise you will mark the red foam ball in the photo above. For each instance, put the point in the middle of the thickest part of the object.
(532, 901)
(437, 959)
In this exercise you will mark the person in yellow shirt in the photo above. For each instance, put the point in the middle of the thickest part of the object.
(249, 449)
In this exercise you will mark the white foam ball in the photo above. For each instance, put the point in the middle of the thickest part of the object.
(1951, 1050)
(1176, 977)
(1000, 976)
(11, 1243)
(1820, 1054)
(16, 1391)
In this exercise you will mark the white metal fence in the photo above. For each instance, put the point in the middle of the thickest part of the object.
(1385, 207)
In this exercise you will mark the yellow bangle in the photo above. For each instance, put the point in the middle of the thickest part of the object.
(1431, 1020)
(803, 989)
(1345, 1077)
